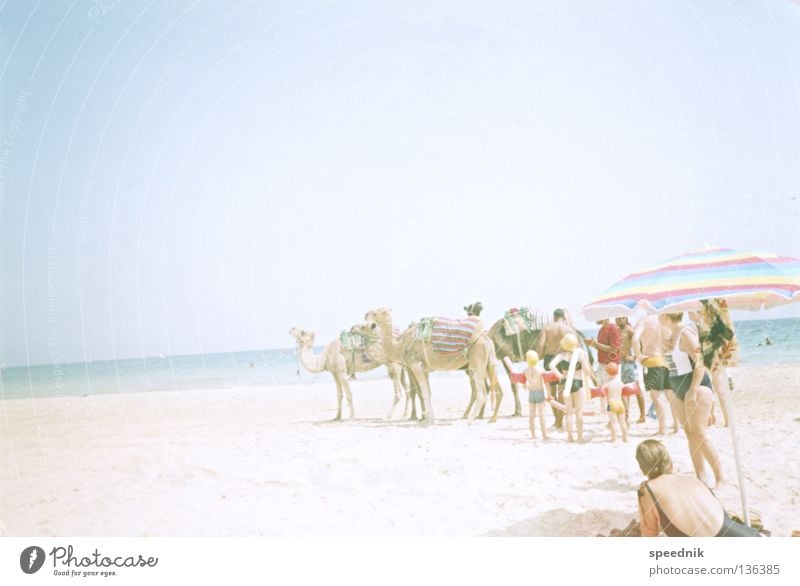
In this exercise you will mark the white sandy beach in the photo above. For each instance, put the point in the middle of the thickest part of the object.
(268, 461)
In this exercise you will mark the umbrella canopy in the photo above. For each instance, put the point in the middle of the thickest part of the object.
(745, 280)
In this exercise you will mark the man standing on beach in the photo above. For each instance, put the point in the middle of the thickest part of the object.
(548, 346)
(629, 366)
(607, 345)
(649, 339)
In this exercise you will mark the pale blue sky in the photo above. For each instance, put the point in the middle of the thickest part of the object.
(189, 177)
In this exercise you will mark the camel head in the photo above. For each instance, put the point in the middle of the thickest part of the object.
(382, 315)
(304, 339)
(474, 309)
(367, 332)
(363, 329)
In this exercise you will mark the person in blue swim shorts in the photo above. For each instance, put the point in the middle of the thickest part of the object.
(538, 393)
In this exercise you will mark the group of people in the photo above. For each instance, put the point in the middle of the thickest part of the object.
(680, 365)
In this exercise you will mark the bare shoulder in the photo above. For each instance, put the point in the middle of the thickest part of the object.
(689, 341)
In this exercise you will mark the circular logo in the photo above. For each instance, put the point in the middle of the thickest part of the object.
(31, 559)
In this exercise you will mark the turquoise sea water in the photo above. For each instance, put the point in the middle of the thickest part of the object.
(280, 366)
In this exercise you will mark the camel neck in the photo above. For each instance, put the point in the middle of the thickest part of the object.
(375, 348)
(310, 361)
(388, 342)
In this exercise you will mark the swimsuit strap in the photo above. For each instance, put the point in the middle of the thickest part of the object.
(666, 524)
(689, 356)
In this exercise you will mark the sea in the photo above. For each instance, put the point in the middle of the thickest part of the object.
(263, 368)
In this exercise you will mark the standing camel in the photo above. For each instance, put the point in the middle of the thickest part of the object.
(374, 348)
(515, 334)
(421, 355)
(341, 362)
(331, 359)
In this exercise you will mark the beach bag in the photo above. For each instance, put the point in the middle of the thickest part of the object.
(755, 522)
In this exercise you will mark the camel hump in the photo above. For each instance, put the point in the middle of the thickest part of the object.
(448, 335)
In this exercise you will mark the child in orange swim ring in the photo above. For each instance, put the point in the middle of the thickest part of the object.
(616, 408)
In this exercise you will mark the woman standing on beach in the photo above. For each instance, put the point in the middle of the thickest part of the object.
(720, 348)
(679, 505)
(700, 326)
(573, 360)
(690, 394)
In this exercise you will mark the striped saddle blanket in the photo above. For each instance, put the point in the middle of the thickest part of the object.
(449, 336)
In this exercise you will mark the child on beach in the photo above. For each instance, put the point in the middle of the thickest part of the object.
(572, 364)
(538, 392)
(616, 408)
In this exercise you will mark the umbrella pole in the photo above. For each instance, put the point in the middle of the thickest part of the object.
(737, 458)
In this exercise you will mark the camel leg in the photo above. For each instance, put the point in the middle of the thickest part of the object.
(410, 392)
(517, 405)
(413, 394)
(490, 397)
(497, 390)
(395, 375)
(419, 396)
(514, 390)
(339, 395)
(344, 385)
(479, 382)
(473, 395)
(349, 396)
(419, 373)
(471, 400)
(338, 368)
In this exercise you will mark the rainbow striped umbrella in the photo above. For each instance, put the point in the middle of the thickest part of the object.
(746, 280)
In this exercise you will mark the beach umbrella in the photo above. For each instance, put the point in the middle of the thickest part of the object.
(745, 280)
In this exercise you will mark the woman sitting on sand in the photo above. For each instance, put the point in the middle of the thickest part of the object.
(575, 397)
(679, 505)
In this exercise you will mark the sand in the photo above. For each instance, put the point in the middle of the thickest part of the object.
(269, 461)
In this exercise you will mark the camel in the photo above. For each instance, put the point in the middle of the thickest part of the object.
(342, 362)
(419, 356)
(374, 348)
(517, 344)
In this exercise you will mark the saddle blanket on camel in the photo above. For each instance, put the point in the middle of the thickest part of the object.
(449, 336)
(523, 319)
(356, 345)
